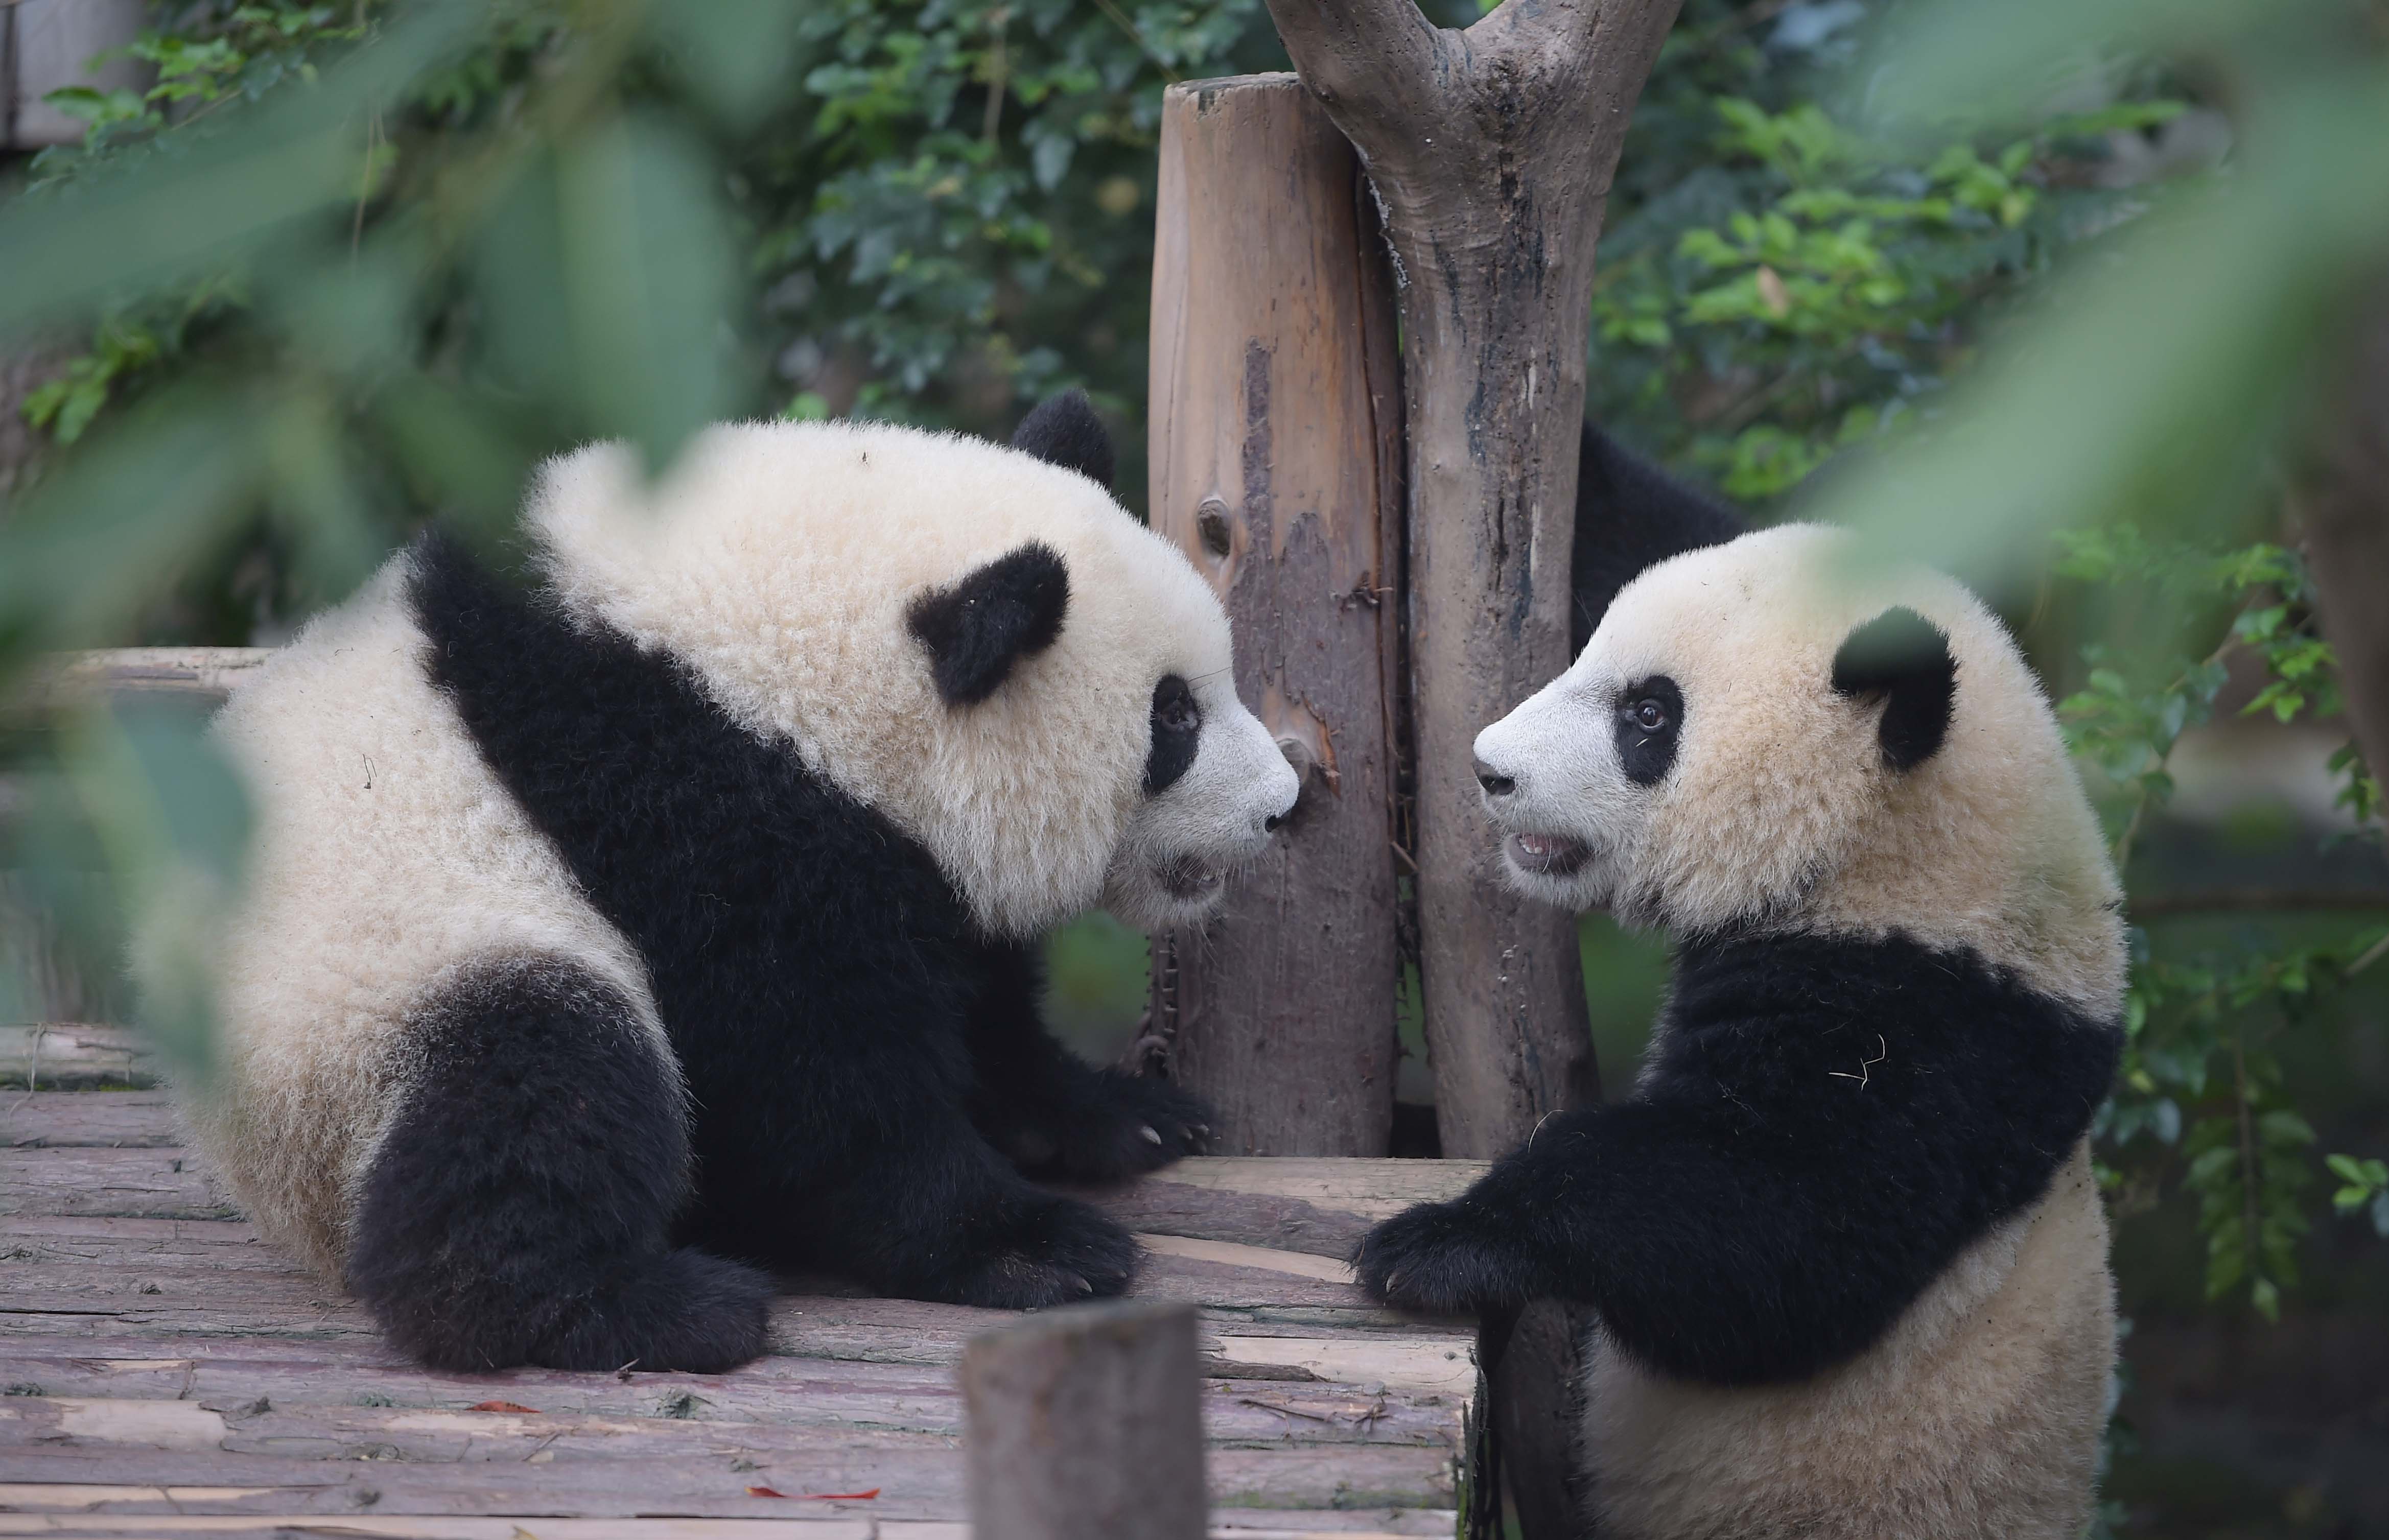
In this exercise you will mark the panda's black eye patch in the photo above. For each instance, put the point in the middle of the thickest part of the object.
(1177, 730)
(1648, 715)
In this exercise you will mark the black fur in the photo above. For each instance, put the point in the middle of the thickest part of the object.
(1629, 515)
(518, 1211)
(835, 1013)
(1905, 659)
(1645, 751)
(1177, 725)
(1825, 1125)
(1063, 430)
(975, 629)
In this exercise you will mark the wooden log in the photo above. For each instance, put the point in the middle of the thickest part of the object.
(1275, 467)
(71, 1055)
(1084, 1425)
(202, 676)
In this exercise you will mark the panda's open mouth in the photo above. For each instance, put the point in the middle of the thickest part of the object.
(1184, 878)
(1546, 855)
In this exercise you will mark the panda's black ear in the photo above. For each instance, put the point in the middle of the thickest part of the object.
(1629, 515)
(978, 629)
(1904, 658)
(1063, 430)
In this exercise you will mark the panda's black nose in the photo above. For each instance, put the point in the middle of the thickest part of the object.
(1269, 824)
(1494, 784)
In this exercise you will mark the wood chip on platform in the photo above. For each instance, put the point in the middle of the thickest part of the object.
(167, 1373)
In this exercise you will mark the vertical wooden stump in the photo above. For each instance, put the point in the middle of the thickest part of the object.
(1084, 1424)
(1275, 464)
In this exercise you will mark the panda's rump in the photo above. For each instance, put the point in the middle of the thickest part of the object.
(388, 859)
(1978, 1415)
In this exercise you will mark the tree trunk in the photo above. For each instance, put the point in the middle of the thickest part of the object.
(2344, 510)
(1490, 151)
(1275, 467)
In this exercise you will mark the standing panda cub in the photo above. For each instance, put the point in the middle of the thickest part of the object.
(613, 938)
(1843, 1245)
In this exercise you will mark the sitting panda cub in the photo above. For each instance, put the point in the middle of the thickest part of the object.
(682, 907)
(1843, 1245)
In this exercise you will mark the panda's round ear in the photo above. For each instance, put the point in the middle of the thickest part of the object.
(1905, 659)
(978, 629)
(1063, 430)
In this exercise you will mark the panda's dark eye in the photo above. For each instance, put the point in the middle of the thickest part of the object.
(1177, 728)
(1173, 707)
(1648, 711)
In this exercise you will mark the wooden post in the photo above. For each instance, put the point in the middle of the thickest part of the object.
(1084, 1424)
(1275, 465)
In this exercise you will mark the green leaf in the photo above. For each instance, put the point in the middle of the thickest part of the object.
(736, 53)
(166, 484)
(2129, 391)
(230, 194)
(647, 276)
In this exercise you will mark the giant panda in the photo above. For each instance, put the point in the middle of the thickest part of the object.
(1843, 1252)
(667, 913)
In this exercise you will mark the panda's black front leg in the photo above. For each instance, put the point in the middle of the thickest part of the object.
(863, 1163)
(1053, 1114)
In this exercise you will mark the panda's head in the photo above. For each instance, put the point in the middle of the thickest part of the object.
(1774, 734)
(974, 640)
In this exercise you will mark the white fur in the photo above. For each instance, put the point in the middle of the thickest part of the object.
(777, 561)
(1978, 1416)
(1778, 810)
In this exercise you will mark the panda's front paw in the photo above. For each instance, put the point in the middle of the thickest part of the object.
(1050, 1251)
(1122, 1125)
(1443, 1259)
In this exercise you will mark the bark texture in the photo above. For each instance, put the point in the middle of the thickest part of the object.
(2344, 509)
(1490, 151)
(1275, 467)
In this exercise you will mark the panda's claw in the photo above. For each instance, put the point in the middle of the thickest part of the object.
(1150, 1135)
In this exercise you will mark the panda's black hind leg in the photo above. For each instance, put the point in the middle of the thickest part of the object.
(518, 1210)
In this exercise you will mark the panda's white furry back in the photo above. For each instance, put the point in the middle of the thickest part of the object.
(672, 911)
(1843, 1245)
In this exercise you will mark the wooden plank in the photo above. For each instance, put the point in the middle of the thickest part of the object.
(143, 1119)
(785, 1391)
(1275, 456)
(155, 1345)
(204, 676)
(1399, 1525)
(916, 1475)
(1229, 1525)
(72, 1055)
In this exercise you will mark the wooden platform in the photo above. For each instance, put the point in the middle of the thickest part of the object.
(167, 1373)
